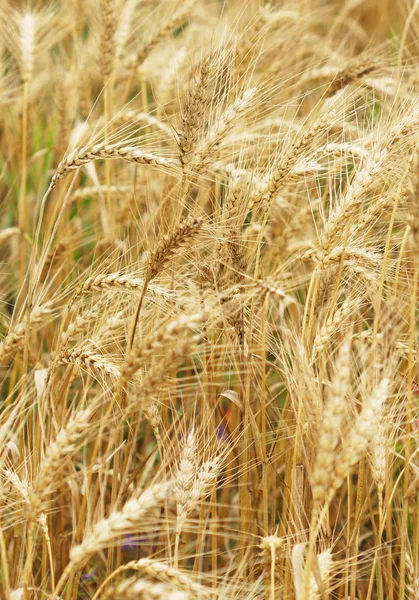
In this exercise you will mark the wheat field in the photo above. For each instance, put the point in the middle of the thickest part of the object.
(209, 246)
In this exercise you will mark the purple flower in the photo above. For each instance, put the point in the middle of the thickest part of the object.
(130, 543)
(222, 432)
(89, 576)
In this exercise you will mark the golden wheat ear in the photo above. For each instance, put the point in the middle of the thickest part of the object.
(107, 531)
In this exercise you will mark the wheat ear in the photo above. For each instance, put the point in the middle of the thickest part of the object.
(107, 42)
(164, 572)
(166, 336)
(177, 18)
(16, 336)
(413, 585)
(159, 258)
(330, 427)
(332, 324)
(356, 442)
(105, 151)
(356, 69)
(46, 480)
(193, 113)
(89, 360)
(190, 489)
(9, 232)
(144, 589)
(130, 518)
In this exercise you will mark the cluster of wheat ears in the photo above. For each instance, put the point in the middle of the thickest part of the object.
(209, 238)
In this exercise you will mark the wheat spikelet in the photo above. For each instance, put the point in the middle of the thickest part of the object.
(202, 485)
(152, 414)
(105, 281)
(128, 519)
(89, 191)
(77, 325)
(325, 563)
(186, 472)
(350, 253)
(379, 452)
(166, 249)
(124, 26)
(270, 544)
(364, 179)
(110, 327)
(359, 186)
(193, 483)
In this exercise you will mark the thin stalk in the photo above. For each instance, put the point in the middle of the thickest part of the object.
(107, 110)
(409, 403)
(179, 526)
(357, 527)
(265, 491)
(22, 207)
(5, 565)
(315, 527)
(273, 561)
(137, 315)
(312, 284)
